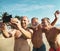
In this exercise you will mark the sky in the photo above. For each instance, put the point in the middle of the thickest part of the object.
(31, 8)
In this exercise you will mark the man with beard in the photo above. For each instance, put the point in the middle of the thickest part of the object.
(37, 41)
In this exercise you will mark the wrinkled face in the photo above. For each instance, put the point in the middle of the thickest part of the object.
(44, 23)
(34, 22)
(24, 22)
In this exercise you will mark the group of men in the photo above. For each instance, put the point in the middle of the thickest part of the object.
(21, 32)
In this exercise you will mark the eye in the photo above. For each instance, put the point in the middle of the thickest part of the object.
(24, 20)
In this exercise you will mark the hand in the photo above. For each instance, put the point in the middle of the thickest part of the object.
(57, 14)
(16, 22)
(2, 26)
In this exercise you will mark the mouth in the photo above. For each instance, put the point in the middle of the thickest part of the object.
(23, 24)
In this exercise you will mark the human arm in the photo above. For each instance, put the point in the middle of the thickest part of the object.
(23, 31)
(56, 18)
(27, 33)
(5, 32)
(8, 33)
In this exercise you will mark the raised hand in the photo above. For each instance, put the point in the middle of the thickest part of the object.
(57, 14)
(16, 22)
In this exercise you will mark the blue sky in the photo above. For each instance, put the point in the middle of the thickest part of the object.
(31, 8)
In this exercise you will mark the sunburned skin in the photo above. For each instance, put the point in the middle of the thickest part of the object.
(52, 33)
(53, 37)
(37, 37)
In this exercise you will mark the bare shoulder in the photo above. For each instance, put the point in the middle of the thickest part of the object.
(30, 30)
(57, 29)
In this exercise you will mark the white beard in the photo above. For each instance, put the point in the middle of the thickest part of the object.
(35, 25)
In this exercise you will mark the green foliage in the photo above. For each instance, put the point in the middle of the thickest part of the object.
(5, 14)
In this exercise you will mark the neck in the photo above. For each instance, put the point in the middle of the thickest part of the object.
(24, 27)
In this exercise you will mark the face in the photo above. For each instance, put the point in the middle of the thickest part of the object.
(24, 22)
(34, 22)
(44, 23)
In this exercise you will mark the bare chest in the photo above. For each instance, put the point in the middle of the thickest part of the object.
(51, 35)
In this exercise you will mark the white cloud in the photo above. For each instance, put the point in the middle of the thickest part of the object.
(25, 7)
